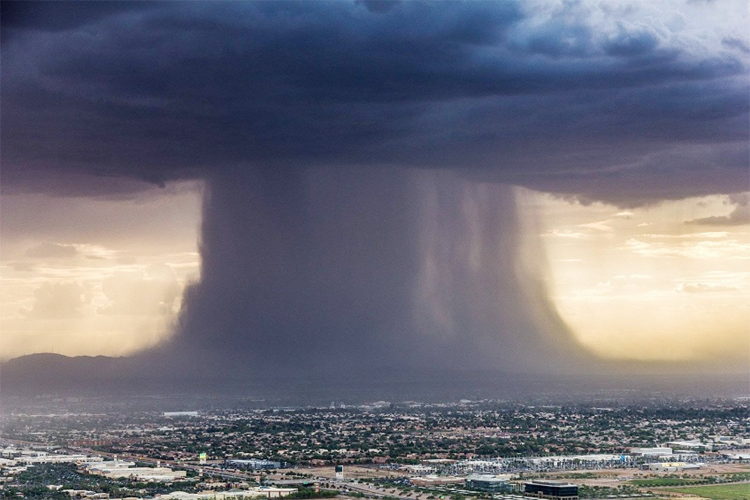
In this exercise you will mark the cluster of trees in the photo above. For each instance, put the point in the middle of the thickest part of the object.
(605, 491)
(304, 493)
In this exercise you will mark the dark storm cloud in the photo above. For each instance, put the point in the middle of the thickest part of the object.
(342, 144)
(379, 5)
(740, 214)
(548, 98)
(61, 16)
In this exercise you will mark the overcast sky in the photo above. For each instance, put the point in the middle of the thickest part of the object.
(387, 183)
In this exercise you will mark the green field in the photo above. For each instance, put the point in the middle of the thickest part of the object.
(664, 481)
(717, 492)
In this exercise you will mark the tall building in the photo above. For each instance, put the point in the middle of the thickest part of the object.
(554, 490)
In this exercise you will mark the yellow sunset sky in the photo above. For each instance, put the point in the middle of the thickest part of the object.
(664, 282)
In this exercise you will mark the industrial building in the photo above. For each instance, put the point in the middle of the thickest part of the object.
(226, 495)
(253, 463)
(554, 490)
(118, 469)
(55, 459)
(671, 466)
(651, 452)
(170, 414)
(592, 460)
(488, 482)
(270, 491)
(435, 480)
(689, 445)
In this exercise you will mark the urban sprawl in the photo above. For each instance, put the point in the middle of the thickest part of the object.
(468, 450)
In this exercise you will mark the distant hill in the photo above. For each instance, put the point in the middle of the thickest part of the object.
(48, 373)
(50, 361)
(52, 372)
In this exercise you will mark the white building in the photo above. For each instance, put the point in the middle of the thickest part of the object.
(651, 452)
(262, 491)
(118, 469)
(10, 452)
(55, 459)
(672, 466)
(688, 445)
(435, 480)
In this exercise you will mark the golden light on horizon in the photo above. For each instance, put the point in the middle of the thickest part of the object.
(94, 276)
(668, 282)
